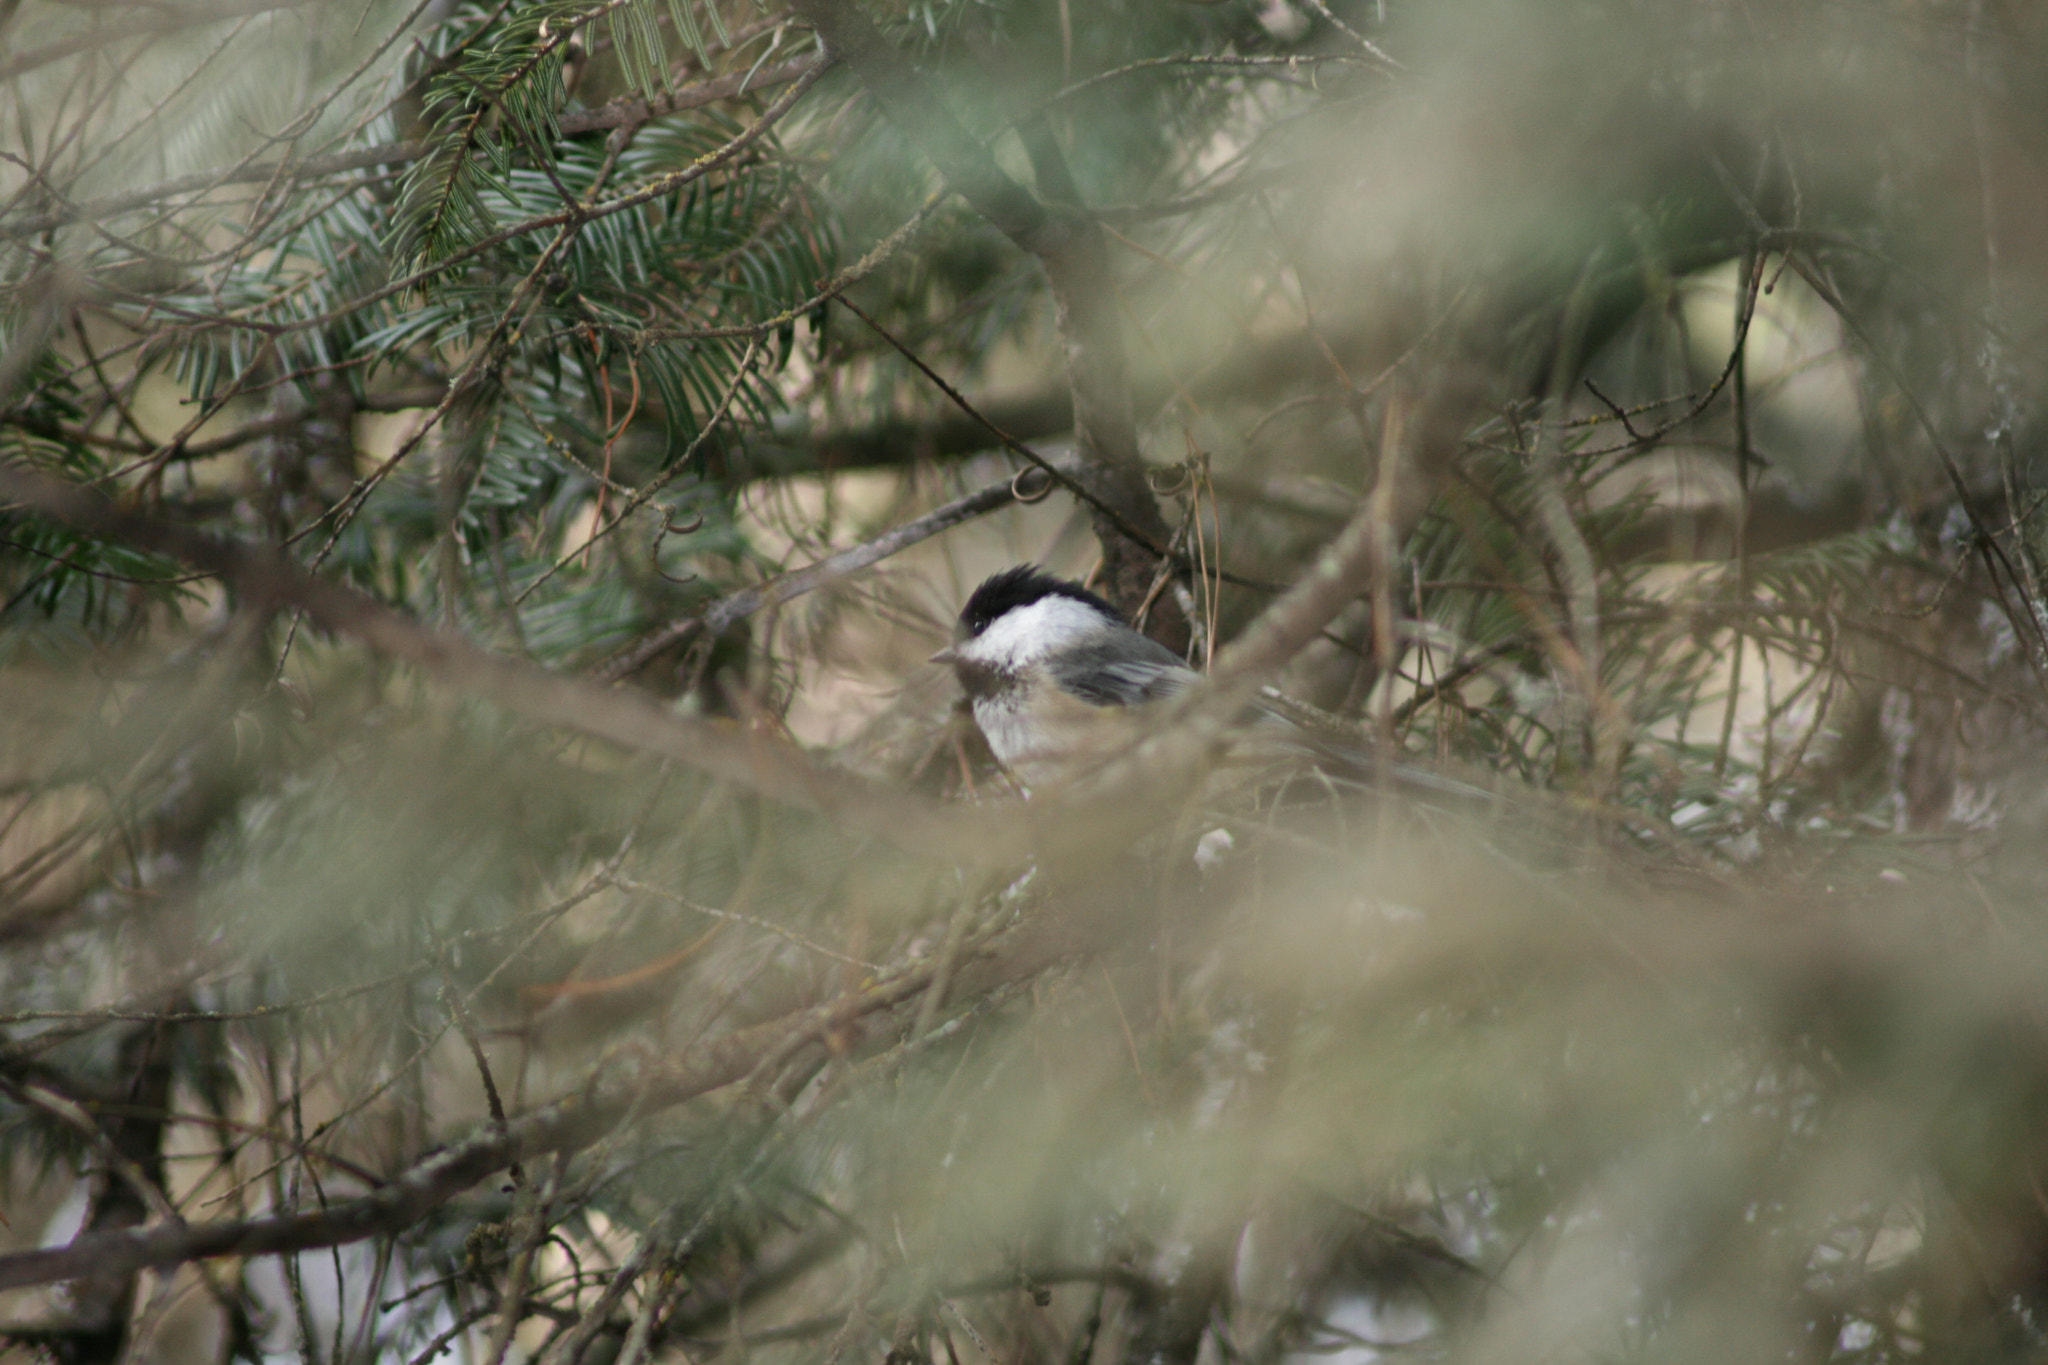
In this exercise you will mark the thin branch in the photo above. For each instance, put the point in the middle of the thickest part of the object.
(744, 603)
(1322, 8)
(1362, 552)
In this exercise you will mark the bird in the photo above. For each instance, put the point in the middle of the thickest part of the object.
(1048, 667)
(1055, 676)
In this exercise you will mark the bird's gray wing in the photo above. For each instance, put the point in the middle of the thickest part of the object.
(1126, 671)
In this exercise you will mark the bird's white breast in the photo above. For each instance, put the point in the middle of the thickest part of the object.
(1009, 733)
(1042, 733)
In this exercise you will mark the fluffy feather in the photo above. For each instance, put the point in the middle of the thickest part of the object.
(1048, 665)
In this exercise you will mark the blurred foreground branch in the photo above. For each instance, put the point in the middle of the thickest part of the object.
(572, 1122)
(267, 579)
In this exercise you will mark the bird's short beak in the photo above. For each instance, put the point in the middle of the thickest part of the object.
(944, 656)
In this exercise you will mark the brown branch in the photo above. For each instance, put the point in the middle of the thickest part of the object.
(1334, 579)
(395, 1206)
(744, 603)
(1284, 67)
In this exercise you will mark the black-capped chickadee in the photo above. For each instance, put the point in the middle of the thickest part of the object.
(1042, 659)
(1048, 667)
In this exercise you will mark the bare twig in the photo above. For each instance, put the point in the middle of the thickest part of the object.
(722, 615)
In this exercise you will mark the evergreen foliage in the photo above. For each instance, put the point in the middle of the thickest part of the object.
(482, 866)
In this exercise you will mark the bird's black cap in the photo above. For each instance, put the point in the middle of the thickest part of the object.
(1020, 587)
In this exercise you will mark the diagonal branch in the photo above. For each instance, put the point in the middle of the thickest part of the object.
(720, 617)
(625, 717)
